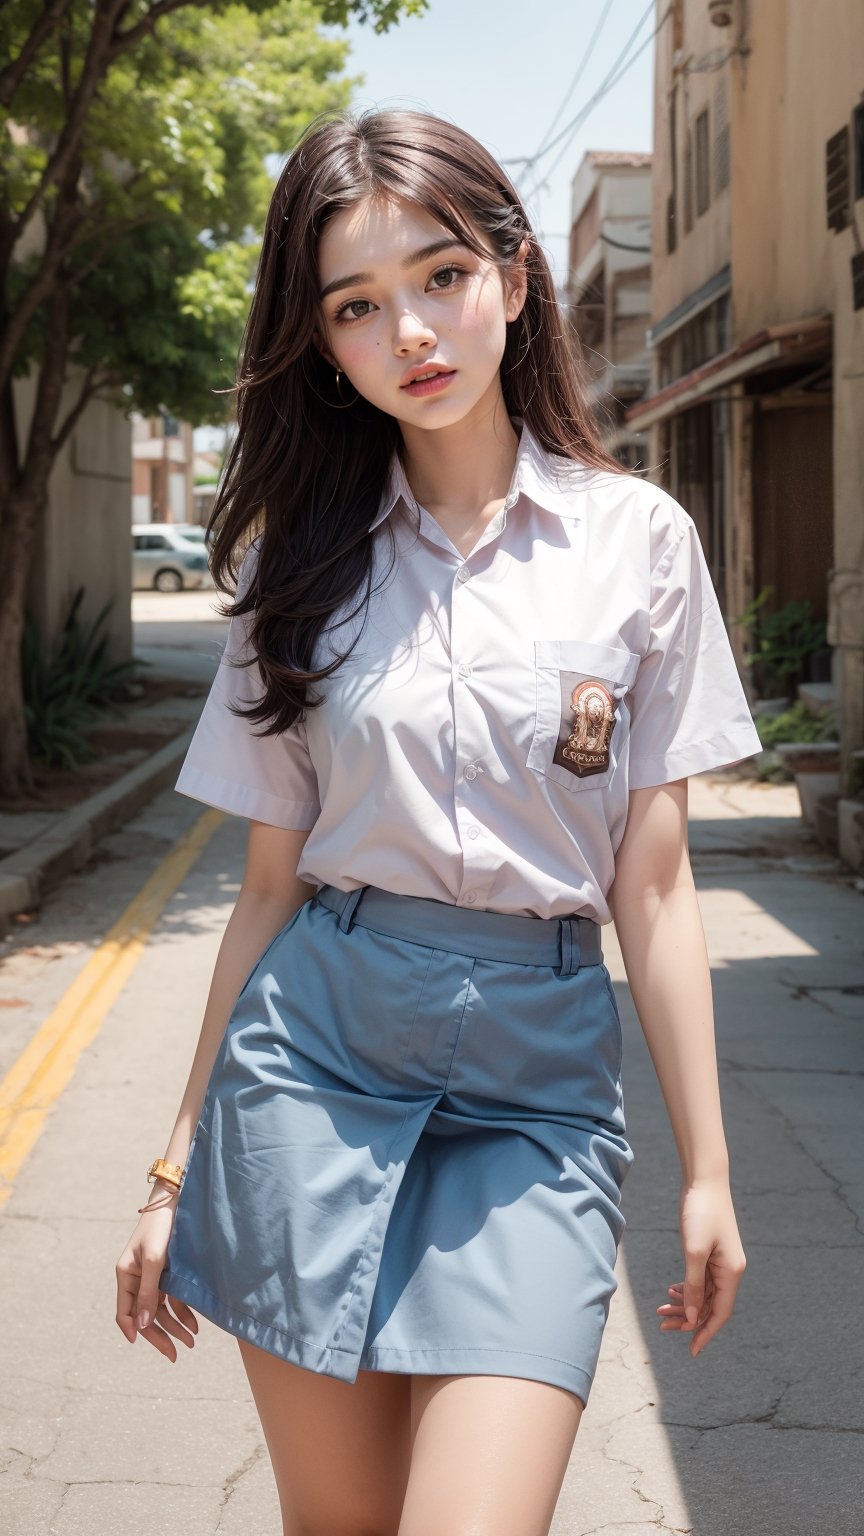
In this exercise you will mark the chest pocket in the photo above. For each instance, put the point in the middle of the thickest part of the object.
(580, 714)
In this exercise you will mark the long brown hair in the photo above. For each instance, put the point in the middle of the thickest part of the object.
(304, 472)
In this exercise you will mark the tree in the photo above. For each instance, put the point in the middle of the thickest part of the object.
(132, 181)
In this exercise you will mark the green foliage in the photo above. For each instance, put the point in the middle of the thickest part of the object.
(64, 694)
(796, 724)
(173, 187)
(782, 641)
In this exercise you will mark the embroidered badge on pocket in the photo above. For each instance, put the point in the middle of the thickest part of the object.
(584, 741)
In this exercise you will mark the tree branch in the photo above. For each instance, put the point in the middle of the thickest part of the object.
(93, 72)
(13, 74)
(147, 24)
(90, 387)
(59, 242)
(117, 231)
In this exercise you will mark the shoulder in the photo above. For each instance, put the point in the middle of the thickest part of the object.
(644, 514)
(248, 566)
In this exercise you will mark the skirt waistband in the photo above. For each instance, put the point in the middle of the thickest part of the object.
(563, 942)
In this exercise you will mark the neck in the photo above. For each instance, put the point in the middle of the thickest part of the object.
(462, 473)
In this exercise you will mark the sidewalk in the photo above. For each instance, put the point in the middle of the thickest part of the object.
(179, 639)
(759, 1436)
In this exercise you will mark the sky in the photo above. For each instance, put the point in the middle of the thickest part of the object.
(501, 69)
(507, 71)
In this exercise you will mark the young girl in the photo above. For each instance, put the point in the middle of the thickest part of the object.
(471, 662)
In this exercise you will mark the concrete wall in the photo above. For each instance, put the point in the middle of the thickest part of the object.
(797, 88)
(705, 248)
(84, 536)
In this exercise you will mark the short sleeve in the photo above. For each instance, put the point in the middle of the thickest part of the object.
(689, 711)
(228, 765)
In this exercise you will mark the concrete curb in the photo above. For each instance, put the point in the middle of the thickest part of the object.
(27, 874)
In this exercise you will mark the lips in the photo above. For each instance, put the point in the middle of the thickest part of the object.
(414, 375)
(438, 384)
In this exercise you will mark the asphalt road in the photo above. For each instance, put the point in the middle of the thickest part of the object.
(759, 1436)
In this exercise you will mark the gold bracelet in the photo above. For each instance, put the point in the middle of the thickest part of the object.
(172, 1173)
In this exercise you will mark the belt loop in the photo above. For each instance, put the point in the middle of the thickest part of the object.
(575, 945)
(346, 919)
(566, 936)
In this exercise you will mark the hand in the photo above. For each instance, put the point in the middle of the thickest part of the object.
(714, 1263)
(141, 1306)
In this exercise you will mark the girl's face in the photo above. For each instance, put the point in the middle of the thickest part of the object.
(392, 306)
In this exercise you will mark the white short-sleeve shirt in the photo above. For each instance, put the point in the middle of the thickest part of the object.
(480, 743)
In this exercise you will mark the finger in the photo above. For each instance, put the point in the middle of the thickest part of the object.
(694, 1284)
(722, 1304)
(127, 1292)
(160, 1340)
(149, 1291)
(184, 1312)
(172, 1325)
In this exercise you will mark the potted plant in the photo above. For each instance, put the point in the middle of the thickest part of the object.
(787, 647)
(805, 746)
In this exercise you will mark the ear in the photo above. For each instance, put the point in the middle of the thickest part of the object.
(517, 283)
(321, 346)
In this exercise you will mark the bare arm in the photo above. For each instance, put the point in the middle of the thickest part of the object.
(270, 894)
(659, 926)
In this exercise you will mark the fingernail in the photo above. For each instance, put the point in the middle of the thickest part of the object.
(143, 1318)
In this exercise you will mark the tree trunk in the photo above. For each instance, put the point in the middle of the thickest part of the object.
(20, 515)
(25, 499)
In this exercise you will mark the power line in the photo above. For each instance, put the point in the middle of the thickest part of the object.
(616, 73)
(565, 148)
(586, 57)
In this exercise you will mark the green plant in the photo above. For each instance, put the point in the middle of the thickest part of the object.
(781, 641)
(62, 695)
(796, 724)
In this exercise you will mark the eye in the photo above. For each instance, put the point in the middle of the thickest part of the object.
(342, 312)
(450, 270)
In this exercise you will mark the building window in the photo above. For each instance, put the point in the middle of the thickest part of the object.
(858, 140)
(170, 425)
(702, 179)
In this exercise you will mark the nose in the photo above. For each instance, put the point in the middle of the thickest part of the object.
(412, 332)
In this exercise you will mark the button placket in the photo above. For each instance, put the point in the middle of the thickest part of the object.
(466, 740)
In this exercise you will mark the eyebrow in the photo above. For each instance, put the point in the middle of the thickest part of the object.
(410, 261)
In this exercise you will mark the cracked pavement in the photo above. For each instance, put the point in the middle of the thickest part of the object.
(761, 1434)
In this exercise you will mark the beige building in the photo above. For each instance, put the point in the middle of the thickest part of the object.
(609, 288)
(756, 341)
(82, 535)
(162, 470)
(81, 538)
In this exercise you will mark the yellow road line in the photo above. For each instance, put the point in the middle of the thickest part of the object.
(38, 1077)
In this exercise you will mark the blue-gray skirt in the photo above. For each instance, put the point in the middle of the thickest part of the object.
(412, 1145)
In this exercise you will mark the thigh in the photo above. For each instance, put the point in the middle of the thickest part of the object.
(489, 1454)
(340, 1450)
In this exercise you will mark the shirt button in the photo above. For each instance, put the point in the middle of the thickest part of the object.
(470, 899)
(470, 771)
(473, 831)
(463, 573)
(464, 669)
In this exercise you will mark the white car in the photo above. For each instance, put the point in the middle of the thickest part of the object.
(164, 558)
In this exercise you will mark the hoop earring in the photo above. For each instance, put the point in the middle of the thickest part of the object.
(346, 404)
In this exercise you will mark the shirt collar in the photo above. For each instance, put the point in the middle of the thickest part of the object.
(546, 478)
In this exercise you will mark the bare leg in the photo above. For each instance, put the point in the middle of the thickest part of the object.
(489, 1455)
(340, 1450)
